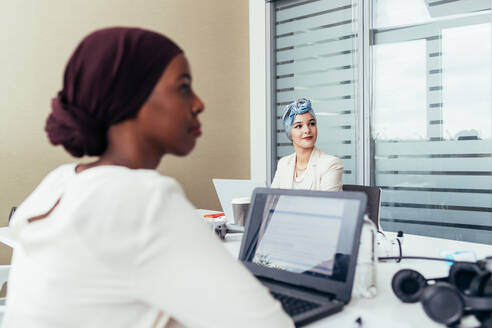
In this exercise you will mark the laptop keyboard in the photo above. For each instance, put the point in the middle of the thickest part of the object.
(294, 306)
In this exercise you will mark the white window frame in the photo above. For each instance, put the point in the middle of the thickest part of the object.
(260, 133)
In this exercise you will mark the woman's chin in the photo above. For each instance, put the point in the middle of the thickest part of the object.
(185, 149)
(305, 145)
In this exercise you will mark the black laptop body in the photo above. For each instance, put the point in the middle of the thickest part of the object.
(303, 246)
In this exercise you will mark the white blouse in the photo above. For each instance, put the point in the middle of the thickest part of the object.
(125, 248)
(299, 181)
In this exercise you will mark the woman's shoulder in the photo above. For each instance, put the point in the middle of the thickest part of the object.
(46, 192)
(125, 193)
(55, 180)
(327, 160)
(125, 179)
(61, 173)
(286, 159)
(154, 180)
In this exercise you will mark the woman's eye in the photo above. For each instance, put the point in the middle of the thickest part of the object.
(297, 126)
(185, 88)
(313, 123)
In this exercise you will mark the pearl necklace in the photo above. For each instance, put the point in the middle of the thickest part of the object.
(300, 168)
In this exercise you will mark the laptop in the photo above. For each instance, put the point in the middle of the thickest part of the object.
(227, 189)
(302, 245)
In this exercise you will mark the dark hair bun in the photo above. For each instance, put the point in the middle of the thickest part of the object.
(74, 130)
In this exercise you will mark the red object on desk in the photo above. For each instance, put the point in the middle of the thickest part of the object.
(213, 216)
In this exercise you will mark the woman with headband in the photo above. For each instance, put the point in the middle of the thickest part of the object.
(112, 243)
(307, 168)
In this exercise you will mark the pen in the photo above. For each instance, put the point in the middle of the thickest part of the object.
(358, 323)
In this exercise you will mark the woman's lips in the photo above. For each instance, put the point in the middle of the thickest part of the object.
(196, 131)
(308, 138)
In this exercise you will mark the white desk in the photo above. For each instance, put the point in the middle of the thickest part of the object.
(385, 310)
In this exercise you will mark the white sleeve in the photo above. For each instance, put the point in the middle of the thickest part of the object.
(183, 269)
(332, 178)
(277, 177)
(276, 180)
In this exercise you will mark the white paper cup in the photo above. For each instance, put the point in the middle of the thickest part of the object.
(240, 209)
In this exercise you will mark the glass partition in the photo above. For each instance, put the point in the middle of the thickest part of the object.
(429, 72)
(432, 117)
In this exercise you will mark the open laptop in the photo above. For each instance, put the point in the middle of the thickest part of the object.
(227, 189)
(303, 246)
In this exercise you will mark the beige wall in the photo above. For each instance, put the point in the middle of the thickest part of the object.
(36, 39)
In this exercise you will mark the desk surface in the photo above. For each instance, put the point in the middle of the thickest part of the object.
(385, 310)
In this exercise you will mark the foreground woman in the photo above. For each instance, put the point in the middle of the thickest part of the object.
(307, 168)
(112, 243)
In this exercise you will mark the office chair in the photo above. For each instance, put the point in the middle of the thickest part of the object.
(373, 200)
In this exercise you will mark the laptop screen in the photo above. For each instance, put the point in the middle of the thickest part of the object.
(300, 234)
(305, 233)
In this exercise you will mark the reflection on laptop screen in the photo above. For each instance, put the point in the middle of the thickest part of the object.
(301, 235)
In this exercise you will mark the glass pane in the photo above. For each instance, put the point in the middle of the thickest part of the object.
(315, 52)
(392, 13)
(432, 117)
(466, 82)
(400, 100)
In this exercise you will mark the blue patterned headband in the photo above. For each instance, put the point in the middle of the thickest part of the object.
(300, 106)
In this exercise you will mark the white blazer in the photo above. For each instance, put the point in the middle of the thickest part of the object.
(324, 172)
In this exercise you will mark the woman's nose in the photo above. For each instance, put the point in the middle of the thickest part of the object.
(198, 105)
